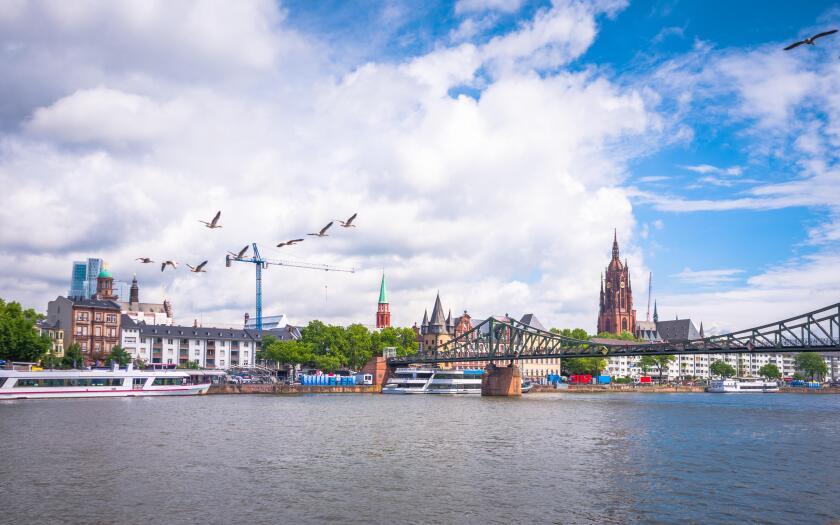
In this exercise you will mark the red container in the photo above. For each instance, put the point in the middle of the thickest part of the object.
(582, 379)
(644, 379)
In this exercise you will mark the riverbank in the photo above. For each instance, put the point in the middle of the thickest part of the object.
(663, 389)
(294, 389)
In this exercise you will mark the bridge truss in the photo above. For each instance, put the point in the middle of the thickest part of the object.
(498, 340)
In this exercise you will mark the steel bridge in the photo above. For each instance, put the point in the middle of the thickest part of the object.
(497, 340)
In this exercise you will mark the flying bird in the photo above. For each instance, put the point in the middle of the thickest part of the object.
(199, 268)
(349, 222)
(144, 260)
(291, 242)
(810, 39)
(241, 253)
(214, 223)
(173, 264)
(323, 232)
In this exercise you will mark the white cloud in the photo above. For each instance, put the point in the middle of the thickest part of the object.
(483, 199)
(708, 277)
(473, 6)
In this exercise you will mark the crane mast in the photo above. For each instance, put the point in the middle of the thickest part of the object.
(650, 287)
(261, 264)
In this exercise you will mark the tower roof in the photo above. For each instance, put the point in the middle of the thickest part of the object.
(383, 296)
(437, 314)
(105, 273)
(615, 244)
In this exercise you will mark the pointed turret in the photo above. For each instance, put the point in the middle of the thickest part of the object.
(615, 244)
(449, 318)
(655, 313)
(702, 336)
(383, 296)
(437, 314)
(425, 318)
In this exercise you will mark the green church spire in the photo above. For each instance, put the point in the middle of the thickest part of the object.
(383, 297)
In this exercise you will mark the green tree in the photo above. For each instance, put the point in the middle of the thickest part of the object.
(770, 371)
(73, 356)
(663, 362)
(359, 345)
(19, 340)
(583, 365)
(812, 364)
(722, 369)
(403, 339)
(120, 355)
(647, 362)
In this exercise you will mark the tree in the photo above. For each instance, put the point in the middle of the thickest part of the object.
(403, 339)
(73, 356)
(584, 365)
(812, 364)
(646, 362)
(663, 362)
(19, 340)
(120, 355)
(359, 345)
(770, 371)
(722, 369)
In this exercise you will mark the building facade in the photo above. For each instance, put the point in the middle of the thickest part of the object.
(214, 348)
(93, 324)
(56, 335)
(383, 312)
(616, 313)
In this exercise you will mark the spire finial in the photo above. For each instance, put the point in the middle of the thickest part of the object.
(615, 244)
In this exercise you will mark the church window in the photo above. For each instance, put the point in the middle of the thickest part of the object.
(624, 324)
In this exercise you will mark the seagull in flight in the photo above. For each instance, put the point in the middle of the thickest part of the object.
(810, 39)
(292, 242)
(241, 253)
(214, 223)
(173, 264)
(323, 232)
(349, 222)
(198, 269)
(144, 260)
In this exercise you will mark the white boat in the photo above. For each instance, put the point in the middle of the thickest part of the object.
(433, 381)
(731, 386)
(527, 385)
(126, 382)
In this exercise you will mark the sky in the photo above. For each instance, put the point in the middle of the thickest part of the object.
(491, 148)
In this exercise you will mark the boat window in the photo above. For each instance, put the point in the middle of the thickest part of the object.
(160, 381)
(2, 381)
(57, 383)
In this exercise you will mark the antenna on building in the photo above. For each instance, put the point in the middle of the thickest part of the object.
(650, 287)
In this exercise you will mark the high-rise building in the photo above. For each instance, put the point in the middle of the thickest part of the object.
(383, 312)
(78, 279)
(94, 268)
(616, 313)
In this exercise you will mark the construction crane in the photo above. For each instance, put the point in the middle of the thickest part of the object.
(262, 264)
(650, 287)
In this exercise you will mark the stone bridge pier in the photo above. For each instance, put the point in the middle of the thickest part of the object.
(501, 380)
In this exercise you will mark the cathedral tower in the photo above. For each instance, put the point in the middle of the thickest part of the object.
(616, 313)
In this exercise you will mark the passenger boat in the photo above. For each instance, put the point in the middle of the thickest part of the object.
(116, 382)
(731, 386)
(527, 385)
(433, 381)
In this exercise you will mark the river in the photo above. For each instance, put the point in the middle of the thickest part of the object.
(545, 458)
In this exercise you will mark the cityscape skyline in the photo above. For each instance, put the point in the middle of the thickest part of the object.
(537, 112)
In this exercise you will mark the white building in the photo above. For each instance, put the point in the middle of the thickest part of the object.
(210, 347)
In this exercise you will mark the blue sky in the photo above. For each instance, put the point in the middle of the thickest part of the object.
(489, 146)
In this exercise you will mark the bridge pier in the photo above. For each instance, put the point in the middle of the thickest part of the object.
(501, 381)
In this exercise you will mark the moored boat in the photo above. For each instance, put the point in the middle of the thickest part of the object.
(433, 381)
(736, 386)
(126, 382)
(527, 385)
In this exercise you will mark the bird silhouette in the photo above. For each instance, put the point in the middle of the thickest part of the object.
(144, 260)
(241, 253)
(290, 242)
(810, 39)
(349, 222)
(323, 232)
(214, 223)
(199, 268)
(173, 264)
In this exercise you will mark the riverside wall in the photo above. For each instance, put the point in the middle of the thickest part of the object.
(295, 389)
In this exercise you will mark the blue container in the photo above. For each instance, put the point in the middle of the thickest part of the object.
(604, 380)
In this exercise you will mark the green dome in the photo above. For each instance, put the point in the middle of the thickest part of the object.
(106, 273)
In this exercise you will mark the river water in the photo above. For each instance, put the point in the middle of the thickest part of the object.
(545, 458)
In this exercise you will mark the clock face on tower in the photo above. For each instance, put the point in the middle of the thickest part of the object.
(622, 284)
